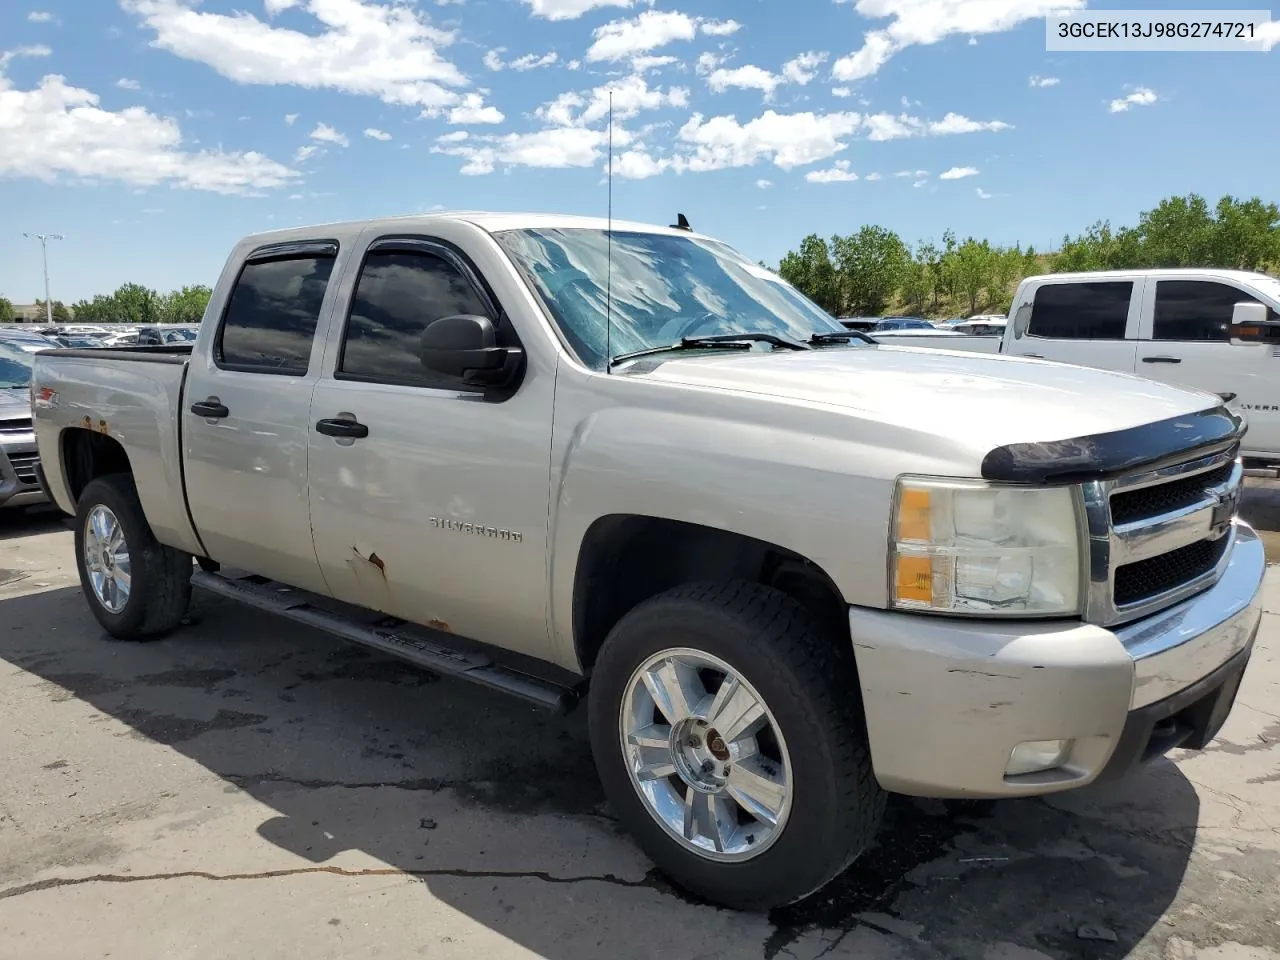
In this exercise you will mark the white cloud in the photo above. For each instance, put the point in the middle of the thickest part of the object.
(570, 9)
(643, 64)
(38, 50)
(919, 183)
(374, 133)
(631, 95)
(290, 119)
(639, 164)
(531, 61)
(1269, 33)
(472, 109)
(959, 173)
(838, 173)
(803, 68)
(56, 129)
(926, 22)
(124, 83)
(983, 195)
(764, 184)
(720, 28)
(1044, 81)
(788, 140)
(744, 78)
(493, 58)
(365, 48)
(40, 16)
(303, 154)
(326, 134)
(620, 39)
(1141, 97)
(457, 136)
(556, 147)
(841, 92)
(912, 173)
(887, 126)
(872, 177)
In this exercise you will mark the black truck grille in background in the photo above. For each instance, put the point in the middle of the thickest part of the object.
(1153, 501)
(1157, 575)
(24, 465)
(11, 428)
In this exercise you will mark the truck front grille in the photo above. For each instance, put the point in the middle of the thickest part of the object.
(1160, 536)
(24, 465)
(12, 428)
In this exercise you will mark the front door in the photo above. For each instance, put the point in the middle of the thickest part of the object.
(438, 513)
(1091, 324)
(246, 420)
(1187, 343)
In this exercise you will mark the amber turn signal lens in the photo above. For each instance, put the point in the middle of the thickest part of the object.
(913, 579)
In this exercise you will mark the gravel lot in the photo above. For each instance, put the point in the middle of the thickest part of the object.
(246, 788)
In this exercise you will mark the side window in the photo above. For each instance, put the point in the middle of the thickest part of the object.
(271, 317)
(1081, 311)
(1196, 309)
(397, 296)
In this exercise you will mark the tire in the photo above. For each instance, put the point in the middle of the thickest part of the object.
(806, 680)
(159, 577)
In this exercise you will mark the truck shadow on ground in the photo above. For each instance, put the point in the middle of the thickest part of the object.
(354, 751)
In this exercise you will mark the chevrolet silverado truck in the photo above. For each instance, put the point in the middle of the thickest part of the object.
(18, 456)
(788, 569)
(1215, 330)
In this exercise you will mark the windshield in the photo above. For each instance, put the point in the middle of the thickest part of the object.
(662, 288)
(15, 368)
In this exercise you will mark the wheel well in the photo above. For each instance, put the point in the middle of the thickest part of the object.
(625, 560)
(87, 455)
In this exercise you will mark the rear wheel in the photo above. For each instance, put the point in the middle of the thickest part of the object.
(137, 588)
(726, 728)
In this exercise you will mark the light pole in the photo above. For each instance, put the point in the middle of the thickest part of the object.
(44, 239)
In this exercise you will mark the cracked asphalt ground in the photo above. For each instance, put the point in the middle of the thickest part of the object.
(246, 788)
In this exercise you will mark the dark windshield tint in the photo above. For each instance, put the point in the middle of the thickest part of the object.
(15, 367)
(662, 288)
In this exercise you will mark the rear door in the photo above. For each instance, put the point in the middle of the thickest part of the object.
(246, 423)
(1091, 323)
(1186, 341)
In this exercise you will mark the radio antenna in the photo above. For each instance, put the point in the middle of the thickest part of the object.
(608, 283)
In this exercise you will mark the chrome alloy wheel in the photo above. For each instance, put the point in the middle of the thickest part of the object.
(106, 558)
(705, 755)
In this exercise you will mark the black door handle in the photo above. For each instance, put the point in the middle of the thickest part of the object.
(211, 408)
(1034, 356)
(1161, 359)
(342, 428)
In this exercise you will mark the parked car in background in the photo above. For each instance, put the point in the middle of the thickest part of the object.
(981, 326)
(1211, 330)
(128, 339)
(859, 323)
(160, 335)
(28, 341)
(75, 329)
(903, 323)
(789, 569)
(78, 340)
(19, 457)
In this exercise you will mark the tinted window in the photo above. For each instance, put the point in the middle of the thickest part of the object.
(397, 296)
(1196, 309)
(1081, 311)
(271, 319)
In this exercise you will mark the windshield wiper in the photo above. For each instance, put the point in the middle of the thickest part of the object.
(726, 341)
(836, 336)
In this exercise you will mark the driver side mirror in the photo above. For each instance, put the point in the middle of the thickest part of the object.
(1249, 324)
(465, 347)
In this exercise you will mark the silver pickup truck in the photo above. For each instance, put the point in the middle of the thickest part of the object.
(787, 568)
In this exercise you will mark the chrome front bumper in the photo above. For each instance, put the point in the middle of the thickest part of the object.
(15, 491)
(947, 700)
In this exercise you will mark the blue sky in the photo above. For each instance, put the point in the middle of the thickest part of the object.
(154, 133)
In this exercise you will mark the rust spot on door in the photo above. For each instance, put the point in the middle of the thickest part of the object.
(439, 625)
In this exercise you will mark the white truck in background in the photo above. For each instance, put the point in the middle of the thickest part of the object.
(1211, 330)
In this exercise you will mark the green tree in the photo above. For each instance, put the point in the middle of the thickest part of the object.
(60, 312)
(1246, 234)
(915, 284)
(871, 264)
(1179, 232)
(811, 272)
(101, 309)
(930, 258)
(185, 305)
(1007, 268)
(7, 313)
(974, 270)
(136, 304)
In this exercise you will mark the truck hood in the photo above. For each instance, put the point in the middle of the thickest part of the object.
(980, 401)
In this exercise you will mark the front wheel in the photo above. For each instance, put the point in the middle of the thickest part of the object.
(137, 588)
(726, 729)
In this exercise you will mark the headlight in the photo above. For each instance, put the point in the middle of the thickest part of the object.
(966, 547)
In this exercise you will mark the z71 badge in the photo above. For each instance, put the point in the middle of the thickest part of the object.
(478, 529)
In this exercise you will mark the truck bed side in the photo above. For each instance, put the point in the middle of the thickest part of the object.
(101, 402)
